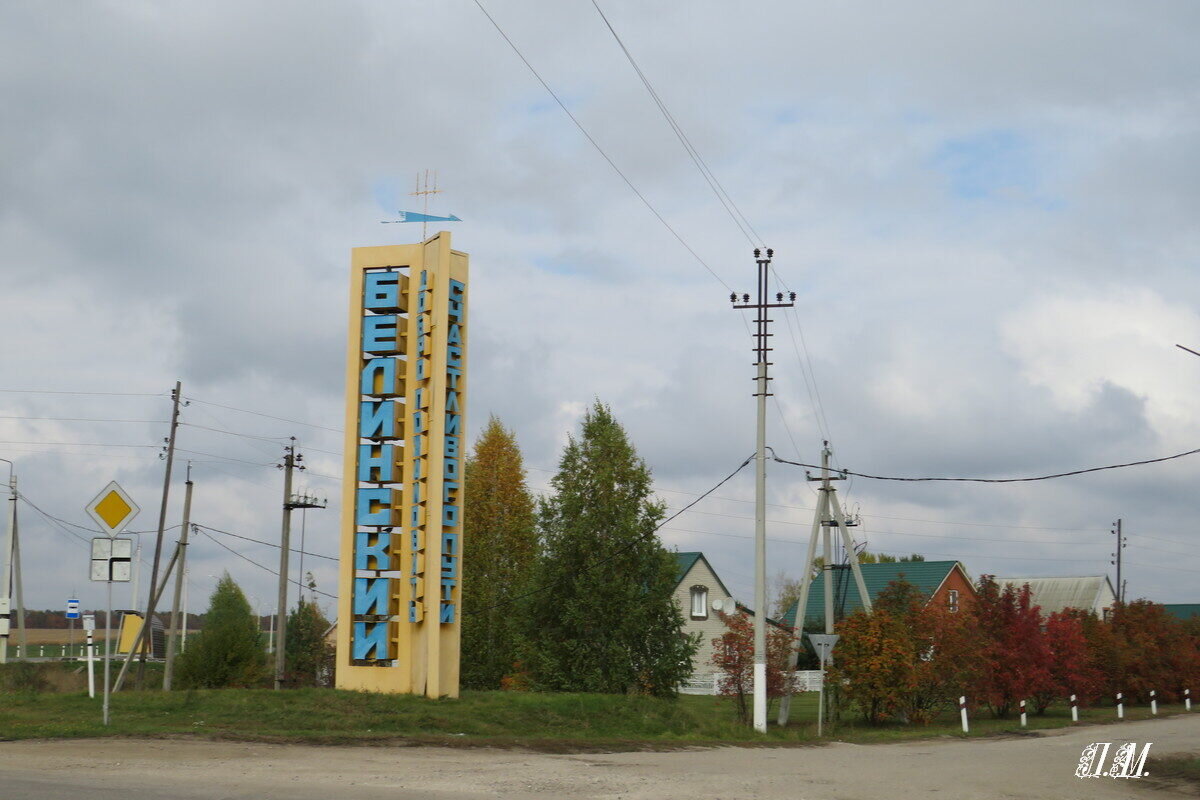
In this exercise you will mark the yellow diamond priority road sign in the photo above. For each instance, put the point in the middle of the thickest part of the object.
(112, 509)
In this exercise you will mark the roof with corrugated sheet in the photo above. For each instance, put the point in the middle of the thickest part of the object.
(926, 576)
(1056, 594)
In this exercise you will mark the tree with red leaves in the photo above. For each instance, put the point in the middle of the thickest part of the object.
(1015, 661)
(873, 663)
(1154, 651)
(733, 656)
(1072, 671)
(906, 657)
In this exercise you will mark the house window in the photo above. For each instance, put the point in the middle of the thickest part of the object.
(952, 600)
(699, 602)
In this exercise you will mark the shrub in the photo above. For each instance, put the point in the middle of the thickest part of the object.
(228, 652)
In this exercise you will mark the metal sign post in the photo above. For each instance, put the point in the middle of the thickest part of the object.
(823, 643)
(72, 615)
(112, 557)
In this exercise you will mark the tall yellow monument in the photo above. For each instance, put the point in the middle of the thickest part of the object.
(402, 543)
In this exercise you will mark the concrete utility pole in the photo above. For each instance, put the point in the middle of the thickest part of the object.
(762, 323)
(828, 515)
(176, 397)
(1121, 545)
(291, 461)
(6, 576)
(169, 669)
(147, 629)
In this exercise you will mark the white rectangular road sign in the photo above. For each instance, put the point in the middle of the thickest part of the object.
(89, 622)
(112, 559)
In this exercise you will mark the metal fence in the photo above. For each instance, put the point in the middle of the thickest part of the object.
(807, 680)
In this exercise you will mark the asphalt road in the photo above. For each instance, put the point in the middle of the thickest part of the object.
(1040, 767)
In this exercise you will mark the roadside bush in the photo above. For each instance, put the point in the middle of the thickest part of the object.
(25, 677)
(309, 657)
(733, 656)
(228, 652)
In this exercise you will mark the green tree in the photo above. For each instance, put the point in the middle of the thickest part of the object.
(606, 619)
(501, 531)
(228, 651)
(309, 657)
(786, 593)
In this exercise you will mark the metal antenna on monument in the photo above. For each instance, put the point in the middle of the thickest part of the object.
(423, 216)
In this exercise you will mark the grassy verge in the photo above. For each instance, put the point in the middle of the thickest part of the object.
(1175, 770)
(541, 721)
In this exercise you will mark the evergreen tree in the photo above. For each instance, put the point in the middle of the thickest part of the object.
(607, 621)
(499, 524)
(228, 652)
(309, 657)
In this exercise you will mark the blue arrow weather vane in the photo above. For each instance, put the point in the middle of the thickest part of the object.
(414, 216)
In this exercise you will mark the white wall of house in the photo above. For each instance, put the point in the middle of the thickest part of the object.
(708, 624)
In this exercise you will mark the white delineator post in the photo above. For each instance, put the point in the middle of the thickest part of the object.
(1153, 703)
(962, 710)
(1187, 699)
(91, 666)
(1074, 710)
(1024, 718)
(1120, 706)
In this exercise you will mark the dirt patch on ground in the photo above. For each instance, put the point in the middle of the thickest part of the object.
(1034, 767)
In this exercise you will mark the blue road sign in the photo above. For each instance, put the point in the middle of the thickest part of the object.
(72, 609)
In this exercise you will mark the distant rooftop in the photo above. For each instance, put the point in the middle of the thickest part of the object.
(1183, 610)
(926, 576)
(1089, 592)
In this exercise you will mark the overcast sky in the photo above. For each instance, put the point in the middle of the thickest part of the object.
(988, 212)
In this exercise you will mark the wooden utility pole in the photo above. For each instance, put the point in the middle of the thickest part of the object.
(289, 464)
(169, 668)
(148, 622)
(291, 461)
(1117, 560)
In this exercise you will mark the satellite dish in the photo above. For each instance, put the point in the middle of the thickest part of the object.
(718, 604)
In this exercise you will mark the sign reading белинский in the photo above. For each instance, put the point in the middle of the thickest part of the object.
(402, 501)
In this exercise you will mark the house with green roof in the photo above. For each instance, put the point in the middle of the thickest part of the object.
(699, 593)
(943, 582)
(1183, 611)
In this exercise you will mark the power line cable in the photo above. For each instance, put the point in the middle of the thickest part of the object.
(227, 458)
(85, 444)
(89, 394)
(619, 550)
(260, 566)
(54, 521)
(89, 419)
(598, 148)
(235, 433)
(261, 414)
(96, 531)
(260, 541)
(872, 516)
(735, 213)
(995, 480)
(800, 543)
